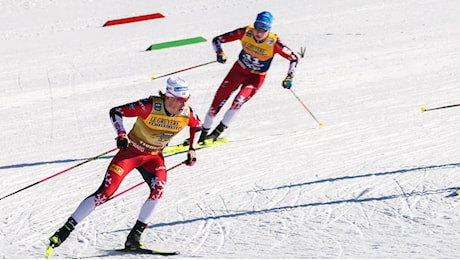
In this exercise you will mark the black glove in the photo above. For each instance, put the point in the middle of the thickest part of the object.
(221, 57)
(122, 142)
(191, 157)
(287, 82)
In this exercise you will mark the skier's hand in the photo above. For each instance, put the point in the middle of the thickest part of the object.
(287, 82)
(191, 157)
(122, 141)
(221, 57)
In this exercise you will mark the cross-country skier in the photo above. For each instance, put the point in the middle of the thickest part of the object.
(159, 119)
(259, 45)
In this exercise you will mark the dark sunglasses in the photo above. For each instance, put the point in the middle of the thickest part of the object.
(260, 29)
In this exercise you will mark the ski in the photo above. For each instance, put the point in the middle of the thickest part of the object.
(50, 249)
(454, 194)
(49, 252)
(180, 148)
(147, 251)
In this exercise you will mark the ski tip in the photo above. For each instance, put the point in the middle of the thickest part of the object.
(211, 142)
(166, 253)
(423, 109)
(454, 194)
(182, 148)
(49, 252)
(148, 251)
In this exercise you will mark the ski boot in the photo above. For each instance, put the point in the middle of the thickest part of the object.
(62, 233)
(204, 133)
(133, 240)
(216, 132)
(60, 236)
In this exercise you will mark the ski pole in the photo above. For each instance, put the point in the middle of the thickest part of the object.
(196, 66)
(428, 109)
(140, 183)
(320, 123)
(61, 172)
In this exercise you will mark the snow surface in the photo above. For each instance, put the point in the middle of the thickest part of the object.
(372, 183)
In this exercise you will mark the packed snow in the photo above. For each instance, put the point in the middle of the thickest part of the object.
(373, 182)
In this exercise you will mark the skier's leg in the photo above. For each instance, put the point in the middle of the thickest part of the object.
(230, 83)
(119, 167)
(154, 174)
(252, 85)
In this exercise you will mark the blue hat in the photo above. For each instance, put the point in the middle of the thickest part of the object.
(264, 20)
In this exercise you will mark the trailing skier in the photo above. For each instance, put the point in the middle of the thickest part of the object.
(259, 46)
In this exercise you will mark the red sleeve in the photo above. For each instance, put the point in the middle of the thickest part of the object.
(194, 124)
(227, 37)
(285, 51)
(288, 54)
(140, 108)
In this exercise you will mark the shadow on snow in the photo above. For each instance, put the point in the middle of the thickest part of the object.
(21, 165)
(313, 204)
(453, 165)
(334, 202)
